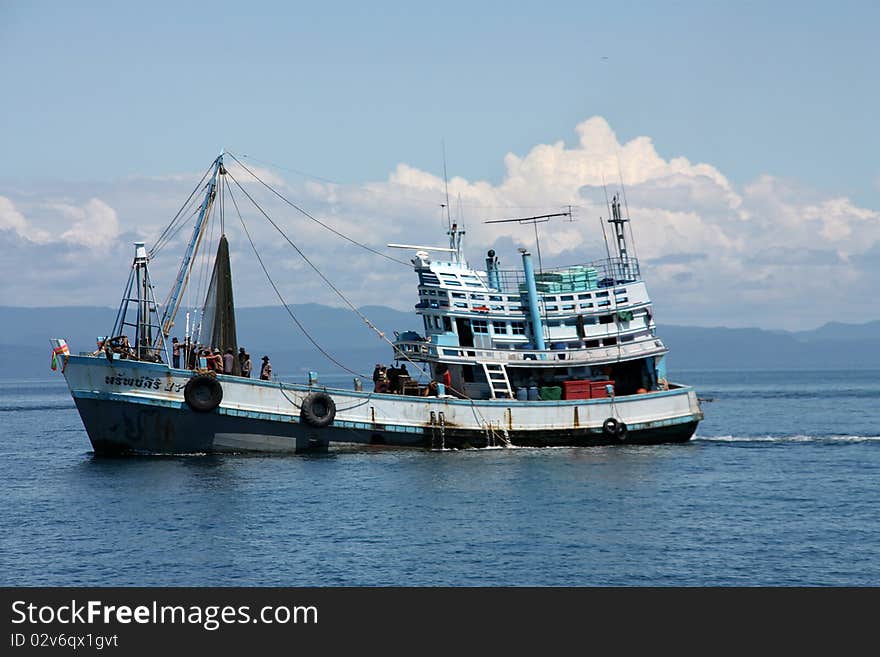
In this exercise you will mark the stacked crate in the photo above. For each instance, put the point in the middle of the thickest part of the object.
(585, 389)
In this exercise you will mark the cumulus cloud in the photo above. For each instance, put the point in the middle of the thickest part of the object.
(93, 225)
(769, 253)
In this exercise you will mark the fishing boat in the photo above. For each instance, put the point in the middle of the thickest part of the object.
(508, 357)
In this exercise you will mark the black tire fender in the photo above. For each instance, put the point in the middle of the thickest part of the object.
(609, 427)
(318, 409)
(621, 431)
(203, 393)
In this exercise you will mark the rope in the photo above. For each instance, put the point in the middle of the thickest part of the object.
(277, 291)
(317, 221)
(164, 236)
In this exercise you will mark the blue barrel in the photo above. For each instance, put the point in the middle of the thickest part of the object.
(522, 394)
(533, 393)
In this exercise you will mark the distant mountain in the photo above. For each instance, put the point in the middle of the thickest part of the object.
(838, 331)
(724, 348)
(24, 341)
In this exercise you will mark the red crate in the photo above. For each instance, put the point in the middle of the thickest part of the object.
(577, 389)
(597, 388)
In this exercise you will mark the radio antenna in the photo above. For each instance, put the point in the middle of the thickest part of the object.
(446, 183)
(539, 219)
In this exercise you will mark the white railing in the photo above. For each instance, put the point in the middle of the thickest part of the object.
(596, 355)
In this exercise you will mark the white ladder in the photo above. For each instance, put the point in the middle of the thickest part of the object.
(499, 384)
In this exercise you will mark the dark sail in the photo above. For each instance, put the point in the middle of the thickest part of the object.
(218, 318)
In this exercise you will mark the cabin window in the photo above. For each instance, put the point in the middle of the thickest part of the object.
(447, 323)
(460, 304)
(496, 307)
(436, 322)
(590, 320)
(495, 297)
(551, 308)
(480, 326)
(627, 338)
(518, 328)
(603, 304)
(609, 342)
(459, 295)
(623, 300)
(567, 297)
(568, 306)
(467, 373)
(600, 295)
(427, 326)
(585, 296)
(606, 319)
(621, 290)
(455, 283)
(500, 328)
(478, 297)
(591, 343)
(549, 298)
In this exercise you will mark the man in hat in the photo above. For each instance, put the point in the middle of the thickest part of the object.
(244, 362)
(266, 370)
(216, 363)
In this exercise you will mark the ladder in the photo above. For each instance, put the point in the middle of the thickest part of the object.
(499, 384)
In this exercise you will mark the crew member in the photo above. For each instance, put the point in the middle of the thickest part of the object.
(266, 369)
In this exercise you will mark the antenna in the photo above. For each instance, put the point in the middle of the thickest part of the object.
(605, 236)
(539, 219)
(446, 183)
(626, 207)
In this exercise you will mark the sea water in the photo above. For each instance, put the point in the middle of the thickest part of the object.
(779, 487)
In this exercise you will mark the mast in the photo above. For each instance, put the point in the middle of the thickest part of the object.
(139, 292)
(618, 220)
(191, 249)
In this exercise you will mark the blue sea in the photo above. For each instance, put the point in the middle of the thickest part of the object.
(780, 487)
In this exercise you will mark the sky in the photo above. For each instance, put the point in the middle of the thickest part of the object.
(745, 134)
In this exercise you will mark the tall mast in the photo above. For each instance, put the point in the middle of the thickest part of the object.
(618, 220)
(191, 249)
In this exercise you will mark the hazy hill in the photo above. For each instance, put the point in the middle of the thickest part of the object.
(24, 340)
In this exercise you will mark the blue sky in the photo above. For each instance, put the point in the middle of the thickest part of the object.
(97, 93)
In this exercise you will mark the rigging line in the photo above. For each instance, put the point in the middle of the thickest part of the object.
(278, 292)
(170, 235)
(309, 262)
(155, 248)
(632, 238)
(333, 287)
(316, 220)
(171, 230)
(342, 296)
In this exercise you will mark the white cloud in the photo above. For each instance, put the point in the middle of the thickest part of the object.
(770, 253)
(13, 220)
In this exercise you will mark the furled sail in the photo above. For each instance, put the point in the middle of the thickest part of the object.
(218, 317)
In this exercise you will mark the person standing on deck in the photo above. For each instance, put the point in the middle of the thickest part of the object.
(266, 369)
(175, 353)
(228, 361)
(244, 362)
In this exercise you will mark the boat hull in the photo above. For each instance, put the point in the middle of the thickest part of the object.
(135, 407)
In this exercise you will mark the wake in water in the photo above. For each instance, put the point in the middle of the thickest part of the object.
(798, 438)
